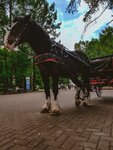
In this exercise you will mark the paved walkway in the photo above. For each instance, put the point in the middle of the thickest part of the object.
(22, 127)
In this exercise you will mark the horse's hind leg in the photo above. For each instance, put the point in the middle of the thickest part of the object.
(78, 89)
(46, 107)
(56, 107)
(86, 88)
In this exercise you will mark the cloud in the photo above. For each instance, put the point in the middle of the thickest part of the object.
(60, 15)
(73, 25)
(71, 30)
(83, 7)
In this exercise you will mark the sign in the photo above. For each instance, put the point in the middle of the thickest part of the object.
(27, 83)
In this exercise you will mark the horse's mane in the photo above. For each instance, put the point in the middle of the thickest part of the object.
(40, 30)
(39, 40)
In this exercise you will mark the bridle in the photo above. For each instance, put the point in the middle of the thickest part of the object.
(18, 38)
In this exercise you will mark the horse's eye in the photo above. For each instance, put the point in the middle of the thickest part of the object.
(13, 31)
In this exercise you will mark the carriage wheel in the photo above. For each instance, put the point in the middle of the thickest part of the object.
(98, 91)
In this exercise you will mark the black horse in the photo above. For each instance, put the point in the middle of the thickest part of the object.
(62, 63)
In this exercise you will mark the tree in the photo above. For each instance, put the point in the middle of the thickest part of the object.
(102, 46)
(3, 22)
(16, 66)
(80, 46)
(93, 7)
(40, 11)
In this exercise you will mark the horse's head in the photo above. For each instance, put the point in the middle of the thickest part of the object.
(19, 32)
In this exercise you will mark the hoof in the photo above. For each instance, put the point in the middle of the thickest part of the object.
(77, 103)
(44, 110)
(55, 113)
(85, 104)
(56, 110)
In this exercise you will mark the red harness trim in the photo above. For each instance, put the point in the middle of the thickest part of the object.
(47, 57)
(48, 60)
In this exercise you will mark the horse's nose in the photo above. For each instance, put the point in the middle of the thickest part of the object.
(9, 47)
(10, 40)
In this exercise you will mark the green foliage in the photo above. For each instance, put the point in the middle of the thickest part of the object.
(15, 66)
(64, 81)
(40, 11)
(93, 7)
(102, 46)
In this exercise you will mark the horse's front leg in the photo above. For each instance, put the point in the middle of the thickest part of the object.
(47, 105)
(56, 110)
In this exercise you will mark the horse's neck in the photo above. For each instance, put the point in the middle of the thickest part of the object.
(39, 40)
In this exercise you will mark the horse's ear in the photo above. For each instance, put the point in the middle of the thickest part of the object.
(27, 17)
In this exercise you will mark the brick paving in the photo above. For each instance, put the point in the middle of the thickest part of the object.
(23, 127)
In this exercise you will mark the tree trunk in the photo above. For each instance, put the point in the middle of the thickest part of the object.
(10, 12)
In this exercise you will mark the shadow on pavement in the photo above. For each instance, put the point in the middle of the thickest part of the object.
(106, 99)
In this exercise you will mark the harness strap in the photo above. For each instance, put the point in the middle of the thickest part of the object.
(47, 57)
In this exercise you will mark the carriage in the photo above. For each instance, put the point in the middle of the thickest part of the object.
(101, 73)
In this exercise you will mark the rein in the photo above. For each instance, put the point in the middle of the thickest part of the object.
(102, 66)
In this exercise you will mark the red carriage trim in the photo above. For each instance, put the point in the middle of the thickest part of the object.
(95, 82)
(111, 81)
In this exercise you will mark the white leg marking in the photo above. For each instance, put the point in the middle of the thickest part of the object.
(84, 102)
(81, 103)
(47, 103)
(56, 107)
(46, 107)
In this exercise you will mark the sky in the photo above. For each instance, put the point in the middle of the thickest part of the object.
(72, 24)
